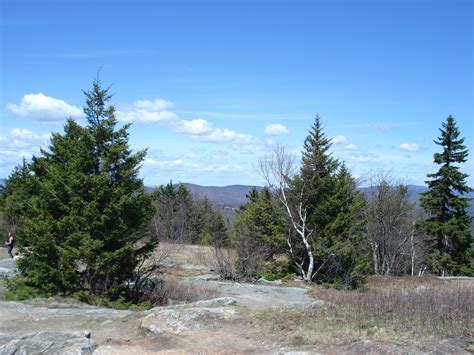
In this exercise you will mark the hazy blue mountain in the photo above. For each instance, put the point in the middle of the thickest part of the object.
(234, 196)
(227, 199)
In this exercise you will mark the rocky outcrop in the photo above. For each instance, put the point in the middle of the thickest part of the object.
(191, 316)
(7, 268)
(46, 343)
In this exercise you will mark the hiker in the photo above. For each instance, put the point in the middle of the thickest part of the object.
(9, 244)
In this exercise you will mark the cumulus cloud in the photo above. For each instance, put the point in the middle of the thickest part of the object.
(170, 164)
(193, 127)
(150, 162)
(157, 111)
(27, 135)
(276, 129)
(18, 144)
(351, 147)
(365, 158)
(44, 108)
(225, 135)
(155, 105)
(147, 111)
(23, 138)
(221, 168)
(340, 140)
(410, 147)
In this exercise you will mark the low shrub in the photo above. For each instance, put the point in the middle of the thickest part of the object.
(18, 290)
(412, 315)
(173, 291)
(276, 270)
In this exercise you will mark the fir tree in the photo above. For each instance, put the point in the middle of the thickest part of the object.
(333, 206)
(448, 223)
(85, 211)
(265, 221)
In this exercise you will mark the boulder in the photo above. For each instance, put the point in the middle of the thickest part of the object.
(7, 268)
(264, 280)
(191, 316)
(47, 342)
(178, 320)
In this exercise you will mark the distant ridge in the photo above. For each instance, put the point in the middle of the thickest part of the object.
(234, 196)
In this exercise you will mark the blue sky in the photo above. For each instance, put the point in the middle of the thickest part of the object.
(211, 85)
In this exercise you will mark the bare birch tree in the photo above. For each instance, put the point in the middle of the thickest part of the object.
(278, 169)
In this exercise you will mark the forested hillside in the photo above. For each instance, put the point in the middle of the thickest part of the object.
(234, 196)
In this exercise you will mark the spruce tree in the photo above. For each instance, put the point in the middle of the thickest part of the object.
(448, 223)
(85, 211)
(333, 206)
(265, 221)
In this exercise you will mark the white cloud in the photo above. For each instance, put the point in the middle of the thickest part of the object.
(340, 140)
(147, 111)
(351, 147)
(44, 108)
(21, 138)
(193, 127)
(24, 134)
(225, 135)
(157, 111)
(18, 144)
(364, 158)
(410, 147)
(221, 168)
(150, 162)
(170, 164)
(155, 105)
(276, 129)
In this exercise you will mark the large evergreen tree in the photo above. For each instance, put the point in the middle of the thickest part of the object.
(448, 223)
(84, 211)
(334, 209)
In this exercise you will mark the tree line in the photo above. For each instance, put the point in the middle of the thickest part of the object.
(85, 225)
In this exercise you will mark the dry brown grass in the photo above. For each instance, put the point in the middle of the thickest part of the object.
(186, 254)
(4, 254)
(175, 291)
(407, 311)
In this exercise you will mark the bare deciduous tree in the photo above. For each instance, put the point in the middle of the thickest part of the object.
(278, 169)
(390, 229)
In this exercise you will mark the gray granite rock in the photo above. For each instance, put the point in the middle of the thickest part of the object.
(46, 343)
(7, 268)
(182, 319)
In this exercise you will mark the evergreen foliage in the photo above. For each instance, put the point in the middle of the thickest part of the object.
(83, 210)
(259, 233)
(265, 222)
(174, 213)
(181, 218)
(448, 223)
(334, 209)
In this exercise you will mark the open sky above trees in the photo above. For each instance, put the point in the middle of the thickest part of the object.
(211, 85)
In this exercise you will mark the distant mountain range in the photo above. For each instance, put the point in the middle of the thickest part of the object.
(233, 196)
